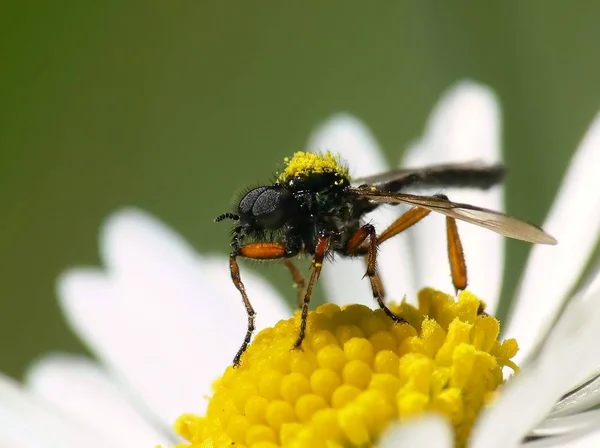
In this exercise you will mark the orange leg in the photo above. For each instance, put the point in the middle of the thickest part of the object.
(456, 257)
(356, 245)
(406, 220)
(299, 282)
(258, 251)
(377, 280)
(321, 248)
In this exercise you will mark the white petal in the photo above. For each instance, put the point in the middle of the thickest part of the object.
(161, 318)
(429, 431)
(418, 154)
(570, 350)
(349, 137)
(82, 391)
(464, 126)
(581, 399)
(574, 440)
(589, 440)
(552, 271)
(28, 422)
(556, 426)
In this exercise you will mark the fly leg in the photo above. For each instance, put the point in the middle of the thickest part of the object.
(406, 220)
(356, 246)
(299, 282)
(456, 258)
(256, 251)
(321, 248)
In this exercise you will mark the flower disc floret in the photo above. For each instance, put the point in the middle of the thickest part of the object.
(357, 373)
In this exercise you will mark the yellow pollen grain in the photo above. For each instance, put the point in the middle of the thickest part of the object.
(331, 357)
(344, 395)
(324, 382)
(386, 361)
(256, 409)
(360, 349)
(383, 340)
(307, 405)
(294, 386)
(356, 374)
(278, 413)
(302, 164)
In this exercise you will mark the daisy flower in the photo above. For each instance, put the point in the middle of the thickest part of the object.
(165, 321)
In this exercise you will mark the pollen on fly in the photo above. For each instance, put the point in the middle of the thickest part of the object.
(314, 208)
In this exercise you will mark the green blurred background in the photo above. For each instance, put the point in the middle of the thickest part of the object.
(105, 104)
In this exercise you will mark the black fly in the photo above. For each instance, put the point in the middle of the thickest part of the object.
(314, 208)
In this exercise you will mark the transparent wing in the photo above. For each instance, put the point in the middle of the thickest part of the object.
(498, 222)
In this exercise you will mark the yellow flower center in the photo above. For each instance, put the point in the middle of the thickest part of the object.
(356, 374)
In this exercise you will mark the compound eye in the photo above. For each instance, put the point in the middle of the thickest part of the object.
(271, 207)
(249, 199)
